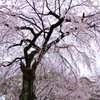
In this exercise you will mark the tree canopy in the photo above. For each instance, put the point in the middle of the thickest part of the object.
(61, 35)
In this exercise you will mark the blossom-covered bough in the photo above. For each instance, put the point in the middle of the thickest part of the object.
(59, 33)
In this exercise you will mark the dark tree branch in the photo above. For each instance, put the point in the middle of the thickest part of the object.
(51, 12)
(47, 5)
(61, 36)
(23, 28)
(70, 4)
(36, 12)
(57, 40)
(46, 47)
(27, 20)
(24, 40)
(86, 16)
(26, 28)
(13, 61)
(32, 43)
(68, 20)
(54, 14)
(52, 28)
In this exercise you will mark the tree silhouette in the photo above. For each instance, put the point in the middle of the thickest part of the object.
(33, 30)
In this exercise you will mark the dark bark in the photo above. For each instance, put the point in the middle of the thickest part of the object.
(27, 90)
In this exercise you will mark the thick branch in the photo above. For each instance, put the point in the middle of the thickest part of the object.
(45, 47)
(54, 14)
(23, 28)
(55, 41)
(26, 28)
(24, 40)
(32, 43)
(52, 28)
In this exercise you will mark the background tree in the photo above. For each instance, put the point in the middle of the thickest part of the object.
(60, 33)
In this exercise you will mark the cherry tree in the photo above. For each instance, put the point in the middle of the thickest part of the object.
(59, 34)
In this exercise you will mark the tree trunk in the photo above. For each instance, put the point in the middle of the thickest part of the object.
(27, 90)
